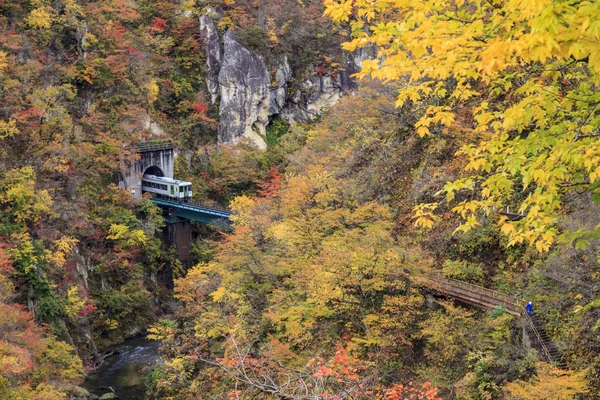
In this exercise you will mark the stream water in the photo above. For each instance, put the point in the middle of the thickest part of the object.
(125, 370)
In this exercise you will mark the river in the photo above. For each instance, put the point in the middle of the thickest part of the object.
(125, 370)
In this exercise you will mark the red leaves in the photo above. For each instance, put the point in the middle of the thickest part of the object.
(158, 25)
(270, 188)
(199, 107)
(31, 117)
(321, 70)
(116, 33)
(87, 310)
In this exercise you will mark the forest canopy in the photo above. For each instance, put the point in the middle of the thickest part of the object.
(521, 75)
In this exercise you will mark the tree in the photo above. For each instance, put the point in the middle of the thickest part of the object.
(522, 76)
(550, 383)
(33, 364)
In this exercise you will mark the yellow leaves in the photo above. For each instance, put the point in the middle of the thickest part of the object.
(539, 175)
(493, 58)
(368, 67)
(354, 44)
(545, 241)
(219, 295)
(8, 128)
(423, 215)
(3, 60)
(152, 91)
(507, 228)
(25, 203)
(164, 330)
(126, 236)
(188, 6)
(241, 207)
(180, 367)
(338, 11)
(470, 223)
(433, 116)
(451, 188)
(226, 23)
(551, 383)
(74, 301)
(40, 18)
(594, 61)
(62, 249)
(111, 324)
(594, 174)
(23, 252)
(476, 164)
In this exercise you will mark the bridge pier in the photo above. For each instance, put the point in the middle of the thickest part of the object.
(179, 234)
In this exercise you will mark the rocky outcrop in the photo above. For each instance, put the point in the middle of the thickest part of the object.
(249, 96)
(212, 44)
(244, 90)
(314, 95)
(83, 266)
(278, 94)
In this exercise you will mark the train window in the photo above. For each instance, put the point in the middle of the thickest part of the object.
(172, 190)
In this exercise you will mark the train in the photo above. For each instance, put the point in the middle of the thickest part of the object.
(167, 187)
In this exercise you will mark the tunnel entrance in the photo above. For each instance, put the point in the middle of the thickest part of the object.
(154, 170)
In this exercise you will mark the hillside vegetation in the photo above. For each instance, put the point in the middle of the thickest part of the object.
(471, 149)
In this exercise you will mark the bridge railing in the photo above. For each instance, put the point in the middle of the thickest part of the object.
(473, 293)
(544, 346)
(155, 145)
(488, 299)
(192, 206)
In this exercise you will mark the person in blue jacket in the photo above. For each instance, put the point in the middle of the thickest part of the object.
(529, 308)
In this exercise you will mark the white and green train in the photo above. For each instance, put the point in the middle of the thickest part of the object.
(167, 187)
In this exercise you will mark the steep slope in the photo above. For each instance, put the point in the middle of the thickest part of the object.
(327, 256)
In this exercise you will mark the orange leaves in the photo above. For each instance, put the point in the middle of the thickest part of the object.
(341, 367)
(409, 392)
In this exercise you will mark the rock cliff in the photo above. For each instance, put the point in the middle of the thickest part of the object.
(249, 96)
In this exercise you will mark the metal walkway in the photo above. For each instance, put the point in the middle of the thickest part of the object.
(488, 299)
(193, 211)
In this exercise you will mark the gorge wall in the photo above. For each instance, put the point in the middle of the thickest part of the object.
(250, 94)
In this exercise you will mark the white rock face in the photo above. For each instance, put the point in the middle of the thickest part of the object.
(250, 98)
(244, 89)
(83, 266)
(279, 92)
(212, 44)
(153, 127)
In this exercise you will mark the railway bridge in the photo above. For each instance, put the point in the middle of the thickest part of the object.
(158, 158)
